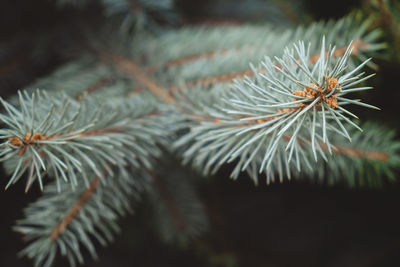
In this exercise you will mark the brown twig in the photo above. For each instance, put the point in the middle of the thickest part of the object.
(349, 151)
(99, 84)
(191, 58)
(131, 68)
(73, 212)
(227, 77)
(36, 138)
(357, 153)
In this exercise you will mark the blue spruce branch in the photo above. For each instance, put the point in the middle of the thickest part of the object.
(287, 116)
(66, 222)
(63, 138)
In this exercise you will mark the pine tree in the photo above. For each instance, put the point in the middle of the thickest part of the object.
(107, 128)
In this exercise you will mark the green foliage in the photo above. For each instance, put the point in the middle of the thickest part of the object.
(372, 155)
(88, 217)
(241, 46)
(213, 95)
(263, 117)
(66, 139)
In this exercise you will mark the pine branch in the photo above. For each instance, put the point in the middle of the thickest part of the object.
(227, 59)
(222, 78)
(228, 77)
(372, 154)
(287, 110)
(65, 222)
(76, 78)
(358, 46)
(99, 84)
(191, 58)
(132, 68)
(62, 138)
(280, 120)
(358, 153)
(80, 203)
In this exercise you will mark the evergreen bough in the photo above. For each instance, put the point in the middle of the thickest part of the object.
(98, 133)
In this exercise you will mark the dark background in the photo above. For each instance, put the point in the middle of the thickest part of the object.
(290, 224)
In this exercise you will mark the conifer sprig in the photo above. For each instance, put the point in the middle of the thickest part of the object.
(64, 139)
(280, 120)
(73, 220)
(292, 106)
(183, 65)
(370, 160)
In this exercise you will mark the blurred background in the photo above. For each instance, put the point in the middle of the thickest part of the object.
(295, 223)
